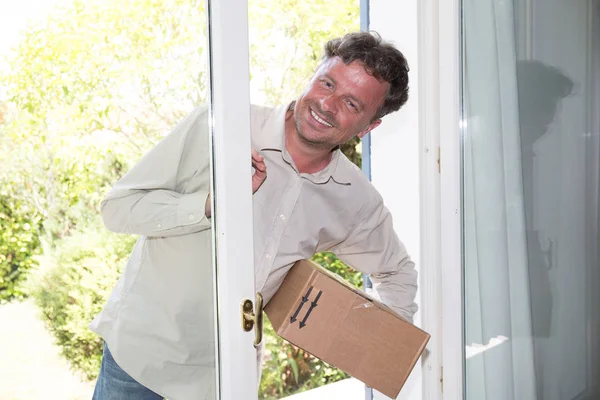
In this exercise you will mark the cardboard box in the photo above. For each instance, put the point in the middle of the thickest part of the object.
(321, 313)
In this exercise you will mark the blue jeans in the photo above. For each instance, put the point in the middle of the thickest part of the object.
(115, 384)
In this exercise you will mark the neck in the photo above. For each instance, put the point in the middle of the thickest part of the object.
(307, 158)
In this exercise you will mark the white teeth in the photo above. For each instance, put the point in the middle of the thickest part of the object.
(315, 116)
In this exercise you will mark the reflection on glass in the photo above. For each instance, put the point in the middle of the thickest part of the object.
(531, 95)
(285, 47)
(88, 91)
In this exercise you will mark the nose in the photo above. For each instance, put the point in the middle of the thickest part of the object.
(328, 104)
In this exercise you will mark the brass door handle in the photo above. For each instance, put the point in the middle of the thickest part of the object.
(253, 318)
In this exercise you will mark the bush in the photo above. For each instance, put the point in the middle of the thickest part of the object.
(45, 193)
(19, 241)
(71, 285)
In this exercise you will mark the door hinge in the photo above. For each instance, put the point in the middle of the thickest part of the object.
(442, 379)
(439, 160)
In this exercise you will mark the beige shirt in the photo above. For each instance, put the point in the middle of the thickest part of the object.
(158, 322)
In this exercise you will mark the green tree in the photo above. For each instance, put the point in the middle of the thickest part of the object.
(286, 42)
(85, 95)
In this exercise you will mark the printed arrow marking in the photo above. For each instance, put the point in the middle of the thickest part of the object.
(312, 305)
(294, 318)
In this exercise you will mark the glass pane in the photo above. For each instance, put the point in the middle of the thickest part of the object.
(285, 48)
(105, 100)
(531, 171)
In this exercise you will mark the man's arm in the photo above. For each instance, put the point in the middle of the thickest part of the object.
(373, 247)
(149, 200)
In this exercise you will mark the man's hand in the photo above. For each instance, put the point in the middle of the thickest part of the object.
(260, 174)
(260, 170)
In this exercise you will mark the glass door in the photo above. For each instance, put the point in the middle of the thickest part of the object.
(530, 199)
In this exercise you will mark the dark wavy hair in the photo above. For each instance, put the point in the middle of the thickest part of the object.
(381, 60)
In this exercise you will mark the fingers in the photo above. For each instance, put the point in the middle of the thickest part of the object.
(259, 166)
(260, 174)
(258, 161)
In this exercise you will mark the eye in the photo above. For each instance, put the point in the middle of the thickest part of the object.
(351, 105)
(327, 84)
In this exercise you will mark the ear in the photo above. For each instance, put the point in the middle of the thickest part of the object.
(369, 128)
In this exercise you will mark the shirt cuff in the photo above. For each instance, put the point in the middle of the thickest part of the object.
(192, 208)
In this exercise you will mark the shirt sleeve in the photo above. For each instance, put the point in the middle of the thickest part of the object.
(374, 248)
(154, 197)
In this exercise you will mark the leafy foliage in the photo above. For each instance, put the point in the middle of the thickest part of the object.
(85, 94)
(286, 42)
(19, 243)
(72, 284)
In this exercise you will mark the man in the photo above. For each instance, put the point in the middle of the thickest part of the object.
(308, 197)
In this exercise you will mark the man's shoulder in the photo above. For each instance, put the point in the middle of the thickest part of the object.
(350, 172)
(359, 183)
(259, 119)
(259, 115)
(267, 126)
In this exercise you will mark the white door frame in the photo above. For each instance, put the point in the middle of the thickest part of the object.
(433, 48)
(232, 199)
(440, 168)
(429, 167)
(450, 55)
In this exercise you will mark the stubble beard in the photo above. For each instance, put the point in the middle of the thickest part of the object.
(323, 144)
(317, 144)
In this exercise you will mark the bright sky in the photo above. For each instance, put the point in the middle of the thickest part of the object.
(14, 17)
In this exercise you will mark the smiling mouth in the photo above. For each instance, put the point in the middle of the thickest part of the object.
(319, 119)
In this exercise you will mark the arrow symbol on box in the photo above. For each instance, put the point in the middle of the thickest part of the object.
(294, 317)
(312, 305)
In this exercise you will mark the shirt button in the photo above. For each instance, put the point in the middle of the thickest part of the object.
(282, 217)
(191, 217)
(158, 226)
(268, 256)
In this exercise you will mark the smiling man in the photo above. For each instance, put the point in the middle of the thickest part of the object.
(343, 100)
(308, 197)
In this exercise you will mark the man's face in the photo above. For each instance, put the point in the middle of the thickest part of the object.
(339, 103)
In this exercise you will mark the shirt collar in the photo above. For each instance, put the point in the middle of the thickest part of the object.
(274, 140)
